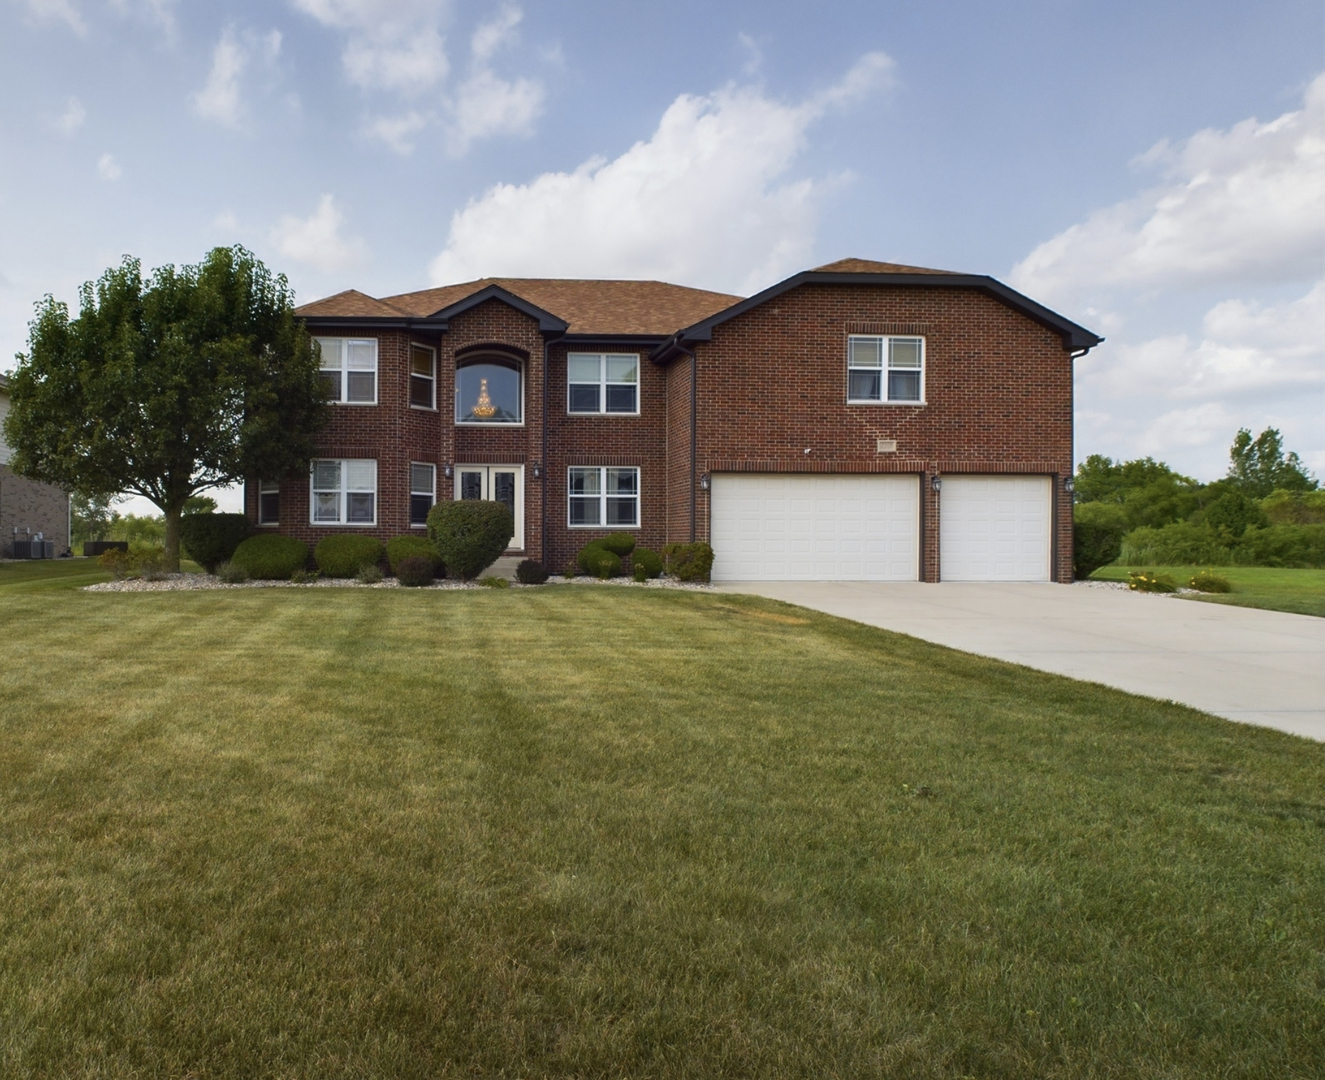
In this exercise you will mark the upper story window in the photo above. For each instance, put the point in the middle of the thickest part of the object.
(269, 502)
(344, 491)
(602, 383)
(422, 377)
(349, 366)
(489, 391)
(883, 370)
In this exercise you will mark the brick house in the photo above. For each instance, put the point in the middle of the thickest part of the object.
(28, 507)
(861, 421)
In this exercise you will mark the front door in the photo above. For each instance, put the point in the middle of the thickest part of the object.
(496, 483)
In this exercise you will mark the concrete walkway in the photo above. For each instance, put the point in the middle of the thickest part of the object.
(1257, 667)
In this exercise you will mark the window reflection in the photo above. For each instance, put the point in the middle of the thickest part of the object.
(488, 392)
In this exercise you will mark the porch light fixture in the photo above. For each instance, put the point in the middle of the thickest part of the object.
(936, 483)
(1069, 485)
(703, 481)
(538, 470)
(446, 470)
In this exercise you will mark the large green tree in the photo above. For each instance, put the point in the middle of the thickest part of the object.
(194, 377)
(1258, 467)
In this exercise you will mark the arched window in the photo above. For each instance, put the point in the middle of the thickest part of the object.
(489, 390)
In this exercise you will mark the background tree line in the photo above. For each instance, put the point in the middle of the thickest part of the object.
(1268, 511)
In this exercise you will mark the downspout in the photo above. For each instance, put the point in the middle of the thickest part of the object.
(542, 494)
(694, 433)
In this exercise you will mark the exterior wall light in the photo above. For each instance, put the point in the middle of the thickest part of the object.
(538, 470)
(704, 481)
(446, 470)
(936, 483)
(1069, 485)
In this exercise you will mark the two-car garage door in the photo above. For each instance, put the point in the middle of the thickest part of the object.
(866, 527)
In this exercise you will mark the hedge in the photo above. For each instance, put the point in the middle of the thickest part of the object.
(270, 557)
(618, 543)
(649, 560)
(470, 534)
(689, 562)
(211, 539)
(345, 554)
(412, 547)
(416, 571)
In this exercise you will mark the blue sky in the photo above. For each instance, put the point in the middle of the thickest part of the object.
(1156, 170)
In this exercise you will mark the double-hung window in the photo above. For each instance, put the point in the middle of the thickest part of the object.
(422, 492)
(269, 502)
(349, 366)
(602, 383)
(602, 496)
(422, 377)
(885, 369)
(344, 491)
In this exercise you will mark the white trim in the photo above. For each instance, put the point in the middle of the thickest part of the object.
(343, 368)
(603, 496)
(409, 397)
(412, 492)
(482, 358)
(343, 492)
(267, 487)
(603, 384)
(885, 341)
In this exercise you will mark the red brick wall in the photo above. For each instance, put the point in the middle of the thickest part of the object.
(998, 394)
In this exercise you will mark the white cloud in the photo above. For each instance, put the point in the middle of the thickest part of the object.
(107, 168)
(1242, 205)
(491, 36)
(317, 241)
(73, 116)
(753, 53)
(397, 131)
(392, 44)
(60, 11)
(487, 104)
(702, 201)
(219, 99)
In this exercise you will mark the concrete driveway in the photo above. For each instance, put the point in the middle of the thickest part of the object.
(1257, 667)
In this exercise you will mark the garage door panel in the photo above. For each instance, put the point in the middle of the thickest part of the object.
(844, 528)
(995, 528)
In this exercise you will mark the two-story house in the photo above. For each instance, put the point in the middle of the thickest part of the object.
(861, 421)
(28, 508)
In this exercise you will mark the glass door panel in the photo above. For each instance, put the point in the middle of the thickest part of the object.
(497, 483)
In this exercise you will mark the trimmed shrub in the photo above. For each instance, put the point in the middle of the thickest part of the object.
(1205, 581)
(689, 562)
(1282, 545)
(584, 557)
(416, 571)
(470, 534)
(649, 560)
(271, 557)
(618, 543)
(1149, 581)
(231, 573)
(211, 539)
(1181, 544)
(369, 575)
(399, 548)
(531, 572)
(346, 554)
(604, 564)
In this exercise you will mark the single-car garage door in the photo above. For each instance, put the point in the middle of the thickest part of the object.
(778, 527)
(994, 528)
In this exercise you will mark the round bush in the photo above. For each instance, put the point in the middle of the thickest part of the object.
(399, 548)
(689, 562)
(210, 539)
(270, 557)
(605, 564)
(585, 555)
(531, 572)
(618, 543)
(345, 554)
(470, 534)
(416, 571)
(648, 560)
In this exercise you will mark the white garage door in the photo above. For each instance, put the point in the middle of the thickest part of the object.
(815, 528)
(994, 528)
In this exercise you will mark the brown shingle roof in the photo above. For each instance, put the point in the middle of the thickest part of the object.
(869, 266)
(590, 307)
(349, 304)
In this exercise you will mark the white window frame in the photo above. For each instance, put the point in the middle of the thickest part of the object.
(432, 354)
(884, 366)
(269, 487)
(603, 496)
(603, 383)
(340, 362)
(413, 491)
(499, 361)
(343, 491)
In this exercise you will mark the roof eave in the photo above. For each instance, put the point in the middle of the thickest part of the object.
(547, 322)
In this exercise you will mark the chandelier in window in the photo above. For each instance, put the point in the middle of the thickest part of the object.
(484, 408)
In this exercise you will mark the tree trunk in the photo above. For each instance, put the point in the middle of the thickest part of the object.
(172, 538)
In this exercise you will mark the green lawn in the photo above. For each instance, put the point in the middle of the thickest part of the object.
(1298, 591)
(624, 833)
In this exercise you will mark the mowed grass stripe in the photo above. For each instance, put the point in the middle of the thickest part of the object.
(600, 832)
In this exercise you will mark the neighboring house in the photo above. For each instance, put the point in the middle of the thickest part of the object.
(861, 421)
(27, 507)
